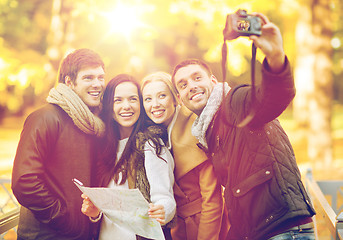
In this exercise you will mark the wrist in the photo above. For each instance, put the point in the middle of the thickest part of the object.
(277, 62)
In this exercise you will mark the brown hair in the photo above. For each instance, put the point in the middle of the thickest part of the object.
(76, 61)
(191, 62)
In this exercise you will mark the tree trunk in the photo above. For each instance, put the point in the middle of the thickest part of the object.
(313, 77)
(59, 37)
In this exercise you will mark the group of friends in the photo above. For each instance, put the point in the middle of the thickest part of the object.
(176, 138)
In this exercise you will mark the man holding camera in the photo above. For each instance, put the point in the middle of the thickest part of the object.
(254, 161)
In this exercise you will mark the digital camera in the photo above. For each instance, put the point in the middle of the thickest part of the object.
(241, 24)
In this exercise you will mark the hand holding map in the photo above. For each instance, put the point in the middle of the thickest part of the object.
(125, 207)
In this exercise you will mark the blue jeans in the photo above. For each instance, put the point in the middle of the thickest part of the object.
(305, 234)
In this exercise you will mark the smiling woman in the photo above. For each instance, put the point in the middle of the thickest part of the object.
(159, 102)
(126, 108)
(131, 155)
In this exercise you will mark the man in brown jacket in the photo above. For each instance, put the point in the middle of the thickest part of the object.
(56, 146)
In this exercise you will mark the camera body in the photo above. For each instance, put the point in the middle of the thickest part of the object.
(241, 24)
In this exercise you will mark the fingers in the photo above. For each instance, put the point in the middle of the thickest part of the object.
(269, 31)
(88, 208)
(161, 221)
(157, 212)
(253, 38)
(263, 18)
(90, 211)
(87, 201)
(269, 28)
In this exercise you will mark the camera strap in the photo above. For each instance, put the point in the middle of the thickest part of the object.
(251, 115)
(224, 58)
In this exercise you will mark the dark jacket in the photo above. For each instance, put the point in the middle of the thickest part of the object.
(51, 152)
(256, 163)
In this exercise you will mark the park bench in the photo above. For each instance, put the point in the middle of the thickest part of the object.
(9, 218)
(320, 192)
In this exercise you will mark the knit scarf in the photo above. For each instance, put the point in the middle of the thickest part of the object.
(79, 112)
(202, 122)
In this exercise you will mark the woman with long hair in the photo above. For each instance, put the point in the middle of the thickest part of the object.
(132, 155)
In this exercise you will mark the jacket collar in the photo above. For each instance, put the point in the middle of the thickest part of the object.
(171, 125)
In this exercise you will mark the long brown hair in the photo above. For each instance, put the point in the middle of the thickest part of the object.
(108, 165)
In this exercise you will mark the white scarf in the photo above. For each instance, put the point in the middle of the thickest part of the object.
(202, 122)
(79, 112)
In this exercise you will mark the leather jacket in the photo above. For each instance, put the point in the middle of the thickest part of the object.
(51, 152)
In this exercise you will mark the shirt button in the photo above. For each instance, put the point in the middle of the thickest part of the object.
(267, 172)
(238, 191)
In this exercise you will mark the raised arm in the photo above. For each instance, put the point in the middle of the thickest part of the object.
(270, 42)
(277, 88)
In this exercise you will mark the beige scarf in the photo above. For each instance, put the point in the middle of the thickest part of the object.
(201, 123)
(79, 112)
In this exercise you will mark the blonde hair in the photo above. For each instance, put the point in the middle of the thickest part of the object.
(162, 77)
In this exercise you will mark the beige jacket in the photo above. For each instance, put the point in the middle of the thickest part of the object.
(196, 190)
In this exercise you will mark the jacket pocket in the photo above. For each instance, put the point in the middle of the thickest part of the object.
(252, 181)
(258, 201)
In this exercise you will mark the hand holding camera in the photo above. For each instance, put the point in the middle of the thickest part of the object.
(261, 31)
(241, 24)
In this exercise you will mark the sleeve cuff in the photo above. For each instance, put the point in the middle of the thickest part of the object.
(266, 66)
(97, 219)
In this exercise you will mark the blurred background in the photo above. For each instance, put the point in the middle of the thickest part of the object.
(142, 36)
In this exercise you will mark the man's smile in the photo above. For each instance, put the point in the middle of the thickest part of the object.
(197, 95)
(94, 93)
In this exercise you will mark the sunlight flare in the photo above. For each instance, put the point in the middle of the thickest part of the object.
(124, 19)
